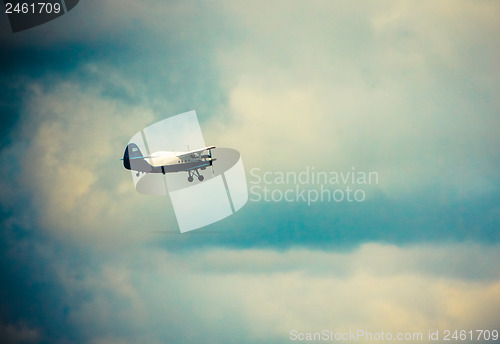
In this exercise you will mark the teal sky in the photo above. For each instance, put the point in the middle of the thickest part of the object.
(406, 89)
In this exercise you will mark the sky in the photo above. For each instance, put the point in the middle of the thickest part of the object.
(407, 90)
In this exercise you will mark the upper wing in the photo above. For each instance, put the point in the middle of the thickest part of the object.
(185, 154)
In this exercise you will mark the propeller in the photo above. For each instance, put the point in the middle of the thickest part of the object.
(211, 161)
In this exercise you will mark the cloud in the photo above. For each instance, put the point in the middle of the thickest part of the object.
(260, 295)
(399, 88)
(223, 296)
(396, 89)
(408, 90)
(62, 175)
(466, 261)
(12, 334)
(65, 159)
(348, 104)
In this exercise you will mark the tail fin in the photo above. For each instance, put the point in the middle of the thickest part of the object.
(133, 159)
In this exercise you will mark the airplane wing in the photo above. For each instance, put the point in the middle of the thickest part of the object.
(183, 154)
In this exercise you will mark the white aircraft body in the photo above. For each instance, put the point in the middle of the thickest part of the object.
(168, 162)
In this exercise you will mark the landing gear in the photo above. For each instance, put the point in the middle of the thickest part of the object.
(194, 173)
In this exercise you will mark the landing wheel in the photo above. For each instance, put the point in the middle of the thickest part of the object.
(200, 178)
(190, 179)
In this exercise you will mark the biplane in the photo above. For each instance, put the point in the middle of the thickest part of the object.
(169, 162)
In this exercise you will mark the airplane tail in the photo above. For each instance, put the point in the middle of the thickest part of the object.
(133, 159)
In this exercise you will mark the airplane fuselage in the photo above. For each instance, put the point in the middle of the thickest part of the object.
(167, 162)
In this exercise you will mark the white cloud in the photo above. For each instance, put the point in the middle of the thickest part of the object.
(330, 86)
(251, 295)
(69, 145)
(394, 88)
